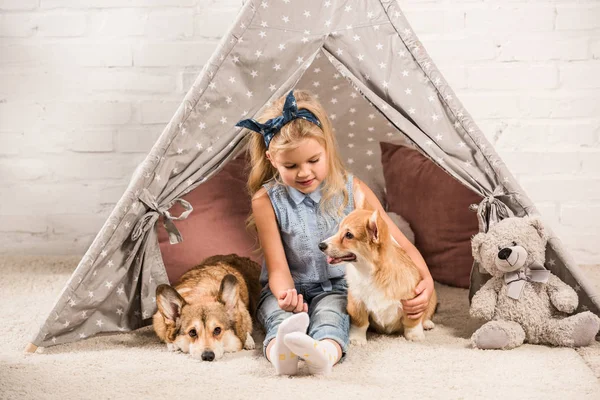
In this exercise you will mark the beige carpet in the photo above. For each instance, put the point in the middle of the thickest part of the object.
(135, 365)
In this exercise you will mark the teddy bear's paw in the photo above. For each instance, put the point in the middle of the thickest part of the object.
(585, 329)
(498, 335)
(565, 300)
(496, 339)
(483, 313)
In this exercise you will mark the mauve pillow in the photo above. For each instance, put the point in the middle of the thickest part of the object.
(437, 208)
(217, 224)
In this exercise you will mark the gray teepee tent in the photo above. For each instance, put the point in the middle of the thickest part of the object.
(376, 81)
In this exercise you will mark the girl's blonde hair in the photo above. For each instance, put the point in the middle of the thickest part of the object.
(288, 138)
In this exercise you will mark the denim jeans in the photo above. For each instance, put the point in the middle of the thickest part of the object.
(326, 310)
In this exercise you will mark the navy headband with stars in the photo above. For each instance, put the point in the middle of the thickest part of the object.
(272, 126)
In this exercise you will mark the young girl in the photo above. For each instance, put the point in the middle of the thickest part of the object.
(300, 192)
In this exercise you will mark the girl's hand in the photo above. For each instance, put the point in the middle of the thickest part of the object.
(290, 300)
(415, 307)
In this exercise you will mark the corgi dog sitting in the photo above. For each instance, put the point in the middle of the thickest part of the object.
(208, 311)
(379, 274)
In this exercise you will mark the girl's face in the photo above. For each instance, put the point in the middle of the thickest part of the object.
(303, 168)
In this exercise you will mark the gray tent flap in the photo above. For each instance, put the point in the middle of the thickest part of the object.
(113, 285)
(396, 82)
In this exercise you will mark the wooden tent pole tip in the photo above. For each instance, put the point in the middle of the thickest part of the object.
(30, 348)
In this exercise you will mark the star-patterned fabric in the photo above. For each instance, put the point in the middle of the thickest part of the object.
(374, 78)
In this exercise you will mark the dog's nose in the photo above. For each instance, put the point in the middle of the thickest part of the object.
(208, 355)
(504, 253)
(322, 246)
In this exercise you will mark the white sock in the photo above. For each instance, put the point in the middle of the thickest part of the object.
(320, 356)
(282, 358)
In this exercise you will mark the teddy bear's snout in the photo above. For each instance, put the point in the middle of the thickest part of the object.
(504, 253)
(511, 258)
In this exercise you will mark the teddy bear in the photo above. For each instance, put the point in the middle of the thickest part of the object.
(523, 301)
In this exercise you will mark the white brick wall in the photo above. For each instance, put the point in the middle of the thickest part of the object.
(86, 87)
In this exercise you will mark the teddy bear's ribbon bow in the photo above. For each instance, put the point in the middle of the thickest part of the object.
(515, 281)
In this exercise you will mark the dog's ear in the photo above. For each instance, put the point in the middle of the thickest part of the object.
(169, 303)
(360, 200)
(373, 227)
(229, 291)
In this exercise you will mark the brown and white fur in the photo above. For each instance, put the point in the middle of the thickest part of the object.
(208, 311)
(379, 274)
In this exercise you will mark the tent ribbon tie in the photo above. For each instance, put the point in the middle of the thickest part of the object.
(148, 220)
(491, 210)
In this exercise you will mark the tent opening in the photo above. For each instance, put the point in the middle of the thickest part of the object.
(427, 203)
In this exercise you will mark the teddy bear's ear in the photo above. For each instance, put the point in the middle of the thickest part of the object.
(476, 243)
(537, 223)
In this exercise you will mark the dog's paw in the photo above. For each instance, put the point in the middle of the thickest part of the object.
(172, 347)
(358, 338)
(414, 334)
(428, 324)
(358, 341)
(414, 337)
(249, 344)
(358, 335)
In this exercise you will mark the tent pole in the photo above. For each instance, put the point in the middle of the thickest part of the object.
(30, 348)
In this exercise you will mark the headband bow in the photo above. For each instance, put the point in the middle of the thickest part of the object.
(272, 126)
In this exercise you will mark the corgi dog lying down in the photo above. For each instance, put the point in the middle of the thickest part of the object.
(208, 312)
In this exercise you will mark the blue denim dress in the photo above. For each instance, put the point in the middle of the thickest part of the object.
(302, 227)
